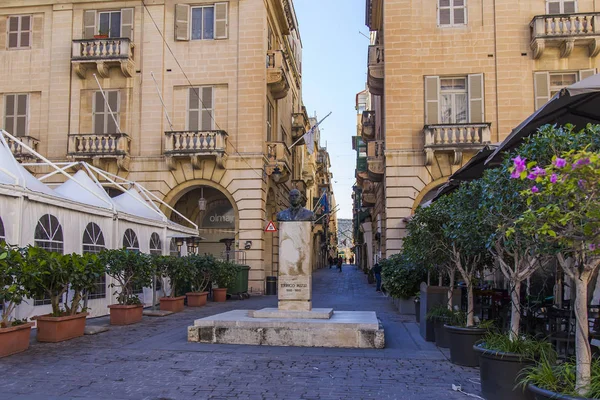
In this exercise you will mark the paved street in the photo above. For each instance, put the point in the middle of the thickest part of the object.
(153, 360)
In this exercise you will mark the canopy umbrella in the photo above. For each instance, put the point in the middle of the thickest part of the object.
(578, 104)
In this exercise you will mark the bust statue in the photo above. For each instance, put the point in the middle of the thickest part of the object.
(296, 212)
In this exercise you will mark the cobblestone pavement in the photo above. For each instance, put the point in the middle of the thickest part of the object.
(153, 360)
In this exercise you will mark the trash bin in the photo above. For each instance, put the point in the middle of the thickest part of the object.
(271, 285)
(240, 284)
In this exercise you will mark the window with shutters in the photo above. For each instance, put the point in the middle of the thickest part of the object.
(112, 23)
(561, 6)
(109, 23)
(452, 12)
(105, 115)
(93, 242)
(453, 100)
(200, 108)
(16, 114)
(270, 120)
(205, 22)
(561, 80)
(19, 31)
(549, 83)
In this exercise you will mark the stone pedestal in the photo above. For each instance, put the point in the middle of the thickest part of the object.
(295, 266)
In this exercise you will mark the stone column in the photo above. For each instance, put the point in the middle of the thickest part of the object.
(295, 266)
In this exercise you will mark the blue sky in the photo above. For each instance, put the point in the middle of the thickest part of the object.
(334, 62)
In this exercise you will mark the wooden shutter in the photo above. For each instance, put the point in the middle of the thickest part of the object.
(182, 22)
(127, 23)
(193, 106)
(476, 99)
(220, 20)
(89, 24)
(98, 111)
(38, 31)
(10, 105)
(3, 35)
(586, 73)
(207, 108)
(25, 31)
(22, 108)
(114, 103)
(569, 7)
(541, 81)
(553, 7)
(432, 100)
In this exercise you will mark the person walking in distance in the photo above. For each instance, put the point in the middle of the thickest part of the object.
(339, 263)
(377, 273)
(330, 261)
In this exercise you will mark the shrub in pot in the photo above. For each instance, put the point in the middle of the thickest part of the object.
(440, 315)
(401, 278)
(55, 275)
(224, 276)
(14, 334)
(201, 271)
(175, 270)
(130, 269)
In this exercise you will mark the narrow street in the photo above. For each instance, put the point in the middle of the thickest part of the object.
(153, 360)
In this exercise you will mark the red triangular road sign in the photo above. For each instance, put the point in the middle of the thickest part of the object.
(270, 227)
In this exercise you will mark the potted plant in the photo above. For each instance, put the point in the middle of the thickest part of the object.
(101, 34)
(175, 270)
(224, 276)
(440, 315)
(14, 334)
(201, 270)
(401, 279)
(564, 212)
(56, 276)
(130, 269)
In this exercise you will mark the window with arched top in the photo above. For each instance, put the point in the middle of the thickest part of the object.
(49, 234)
(173, 248)
(155, 245)
(130, 240)
(93, 242)
(2, 232)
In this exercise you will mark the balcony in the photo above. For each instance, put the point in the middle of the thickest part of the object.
(454, 138)
(100, 147)
(20, 152)
(376, 72)
(369, 194)
(565, 31)
(103, 54)
(375, 160)
(277, 74)
(279, 165)
(368, 125)
(299, 125)
(197, 145)
(361, 169)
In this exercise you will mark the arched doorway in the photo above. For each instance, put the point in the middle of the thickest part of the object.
(215, 216)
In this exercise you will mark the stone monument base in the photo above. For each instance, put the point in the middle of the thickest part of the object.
(352, 329)
(315, 313)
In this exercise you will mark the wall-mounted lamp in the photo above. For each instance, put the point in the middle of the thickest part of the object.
(179, 243)
(248, 245)
(276, 174)
(202, 200)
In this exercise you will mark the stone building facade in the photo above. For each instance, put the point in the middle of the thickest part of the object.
(200, 102)
(446, 77)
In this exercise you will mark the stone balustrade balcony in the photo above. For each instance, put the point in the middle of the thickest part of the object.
(19, 151)
(100, 146)
(103, 54)
(376, 69)
(277, 74)
(368, 125)
(455, 138)
(375, 160)
(197, 145)
(299, 125)
(565, 31)
(279, 161)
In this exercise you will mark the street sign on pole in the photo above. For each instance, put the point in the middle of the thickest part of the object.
(270, 227)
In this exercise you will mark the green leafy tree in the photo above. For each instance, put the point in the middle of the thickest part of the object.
(202, 268)
(401, 277)
(564, 211)
(174, 272)
(12, 291)
(225, 273)
(131, 269)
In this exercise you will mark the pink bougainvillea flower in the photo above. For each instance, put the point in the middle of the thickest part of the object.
(539, 171)
(579, 163)
(581, 184)
(534, 189)
(515, 174)
(560, 162)
(553, 178)
(520, 163)
(592, 247)
(532, 176)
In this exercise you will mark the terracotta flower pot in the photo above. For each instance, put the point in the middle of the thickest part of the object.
(125, 314)
(57, 329)
(14, 339)
(173, 304)
(197, 299)
(220, 295)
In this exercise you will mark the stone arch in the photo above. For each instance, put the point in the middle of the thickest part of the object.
(427, 189)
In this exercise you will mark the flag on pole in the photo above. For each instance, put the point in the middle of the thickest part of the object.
(325, 203)
(309, 139)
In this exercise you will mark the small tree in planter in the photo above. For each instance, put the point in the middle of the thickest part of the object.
(177, 271)
(131, 270)
(564, 211)
(224, 277)
(201, 271)
(14, 334)
(401, 278)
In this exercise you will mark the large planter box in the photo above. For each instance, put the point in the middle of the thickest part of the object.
(57, 329)
(125, 315)
(462, 341)
(441, 335)
(173, 304)
(196, 299)
(219, 295)
(499, 373)
(405, 306)
(542, 394)
(432, 296)
(15, 339)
